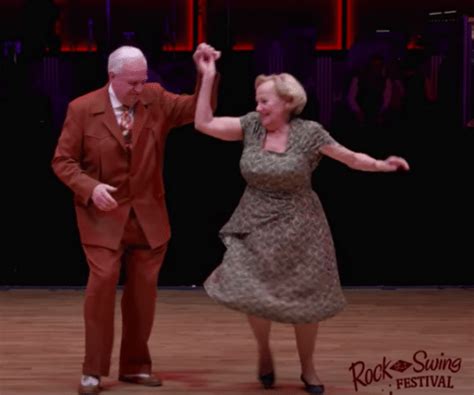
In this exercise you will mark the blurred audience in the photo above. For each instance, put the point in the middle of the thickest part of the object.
(370, 93)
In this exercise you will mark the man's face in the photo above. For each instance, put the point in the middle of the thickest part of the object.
(129, 82)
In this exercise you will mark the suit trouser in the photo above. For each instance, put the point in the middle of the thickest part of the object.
(142, 265)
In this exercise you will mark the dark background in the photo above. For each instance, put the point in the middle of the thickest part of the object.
(392, 229)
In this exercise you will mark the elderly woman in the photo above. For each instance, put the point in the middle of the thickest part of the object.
(280, 263)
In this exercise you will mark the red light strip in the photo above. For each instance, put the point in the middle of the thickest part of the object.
(334, 45)
(78, 48)
(350, 32)
(186, 46)
(201, 21)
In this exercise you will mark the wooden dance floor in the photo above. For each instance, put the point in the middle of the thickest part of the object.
(387, 342)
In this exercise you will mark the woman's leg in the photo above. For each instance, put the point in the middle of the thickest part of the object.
(261, 330)
(305, 341)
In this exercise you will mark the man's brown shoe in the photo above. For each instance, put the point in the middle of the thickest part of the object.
(88, 389)
(149, 381)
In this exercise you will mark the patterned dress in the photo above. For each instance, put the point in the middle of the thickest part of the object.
(280, 262)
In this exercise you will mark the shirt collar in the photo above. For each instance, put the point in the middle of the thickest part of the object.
(116, 105)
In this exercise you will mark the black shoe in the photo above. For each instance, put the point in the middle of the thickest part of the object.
(267, 380)
(312, 388)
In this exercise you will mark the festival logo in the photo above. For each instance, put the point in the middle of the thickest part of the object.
(419, 371)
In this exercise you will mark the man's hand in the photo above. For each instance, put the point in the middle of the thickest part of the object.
(102, 198)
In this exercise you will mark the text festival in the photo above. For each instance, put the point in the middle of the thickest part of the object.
(363, 376)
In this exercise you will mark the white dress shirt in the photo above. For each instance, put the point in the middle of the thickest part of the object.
(117, 106)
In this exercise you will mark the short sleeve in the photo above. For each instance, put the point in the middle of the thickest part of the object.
(250, 124)
(315, 136)
(318, 136)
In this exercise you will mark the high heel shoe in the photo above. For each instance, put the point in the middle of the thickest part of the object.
(267, 380)
(312, 388)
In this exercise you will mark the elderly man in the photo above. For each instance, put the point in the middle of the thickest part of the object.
(110, 154)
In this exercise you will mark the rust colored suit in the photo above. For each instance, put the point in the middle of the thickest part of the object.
(90, 151)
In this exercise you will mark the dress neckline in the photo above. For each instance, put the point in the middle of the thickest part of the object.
(289, 141)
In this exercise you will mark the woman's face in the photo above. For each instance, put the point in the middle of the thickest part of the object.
(274, 111)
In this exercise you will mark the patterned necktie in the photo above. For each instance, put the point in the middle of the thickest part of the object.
(126, 125)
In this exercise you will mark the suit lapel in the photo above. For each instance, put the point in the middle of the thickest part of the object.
(103, 108)
(139, 119)
(110, 121)
(142, 112)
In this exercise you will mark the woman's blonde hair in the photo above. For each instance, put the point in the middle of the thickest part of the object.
(288, 88)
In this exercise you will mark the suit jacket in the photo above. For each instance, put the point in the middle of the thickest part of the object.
(91, 150)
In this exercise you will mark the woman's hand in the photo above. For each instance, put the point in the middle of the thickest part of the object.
(206, 65)
(205, 57)
(394, 163)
